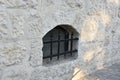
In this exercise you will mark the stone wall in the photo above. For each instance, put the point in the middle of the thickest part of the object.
(23, 23)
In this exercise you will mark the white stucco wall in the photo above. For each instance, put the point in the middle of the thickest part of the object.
(23, 23)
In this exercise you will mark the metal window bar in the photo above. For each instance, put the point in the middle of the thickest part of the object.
(51, 46)
(71, 44)
(55, 55)
(66, 40)
(65, 44)
(62, 40)
(58, 45)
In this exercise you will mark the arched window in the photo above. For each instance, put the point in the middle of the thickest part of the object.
(59, 43)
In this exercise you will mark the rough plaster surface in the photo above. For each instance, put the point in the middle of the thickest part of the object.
(23, 24)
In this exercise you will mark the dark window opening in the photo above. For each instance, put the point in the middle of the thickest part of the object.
(59, 43)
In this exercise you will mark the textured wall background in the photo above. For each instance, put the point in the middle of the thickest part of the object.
(23, 23)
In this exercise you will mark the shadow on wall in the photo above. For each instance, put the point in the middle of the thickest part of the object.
(94, 30)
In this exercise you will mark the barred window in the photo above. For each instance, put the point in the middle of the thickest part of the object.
(60, 44)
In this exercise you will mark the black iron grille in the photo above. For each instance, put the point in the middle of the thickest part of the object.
(68, 42)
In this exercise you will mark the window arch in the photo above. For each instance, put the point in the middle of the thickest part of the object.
(60, 43)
